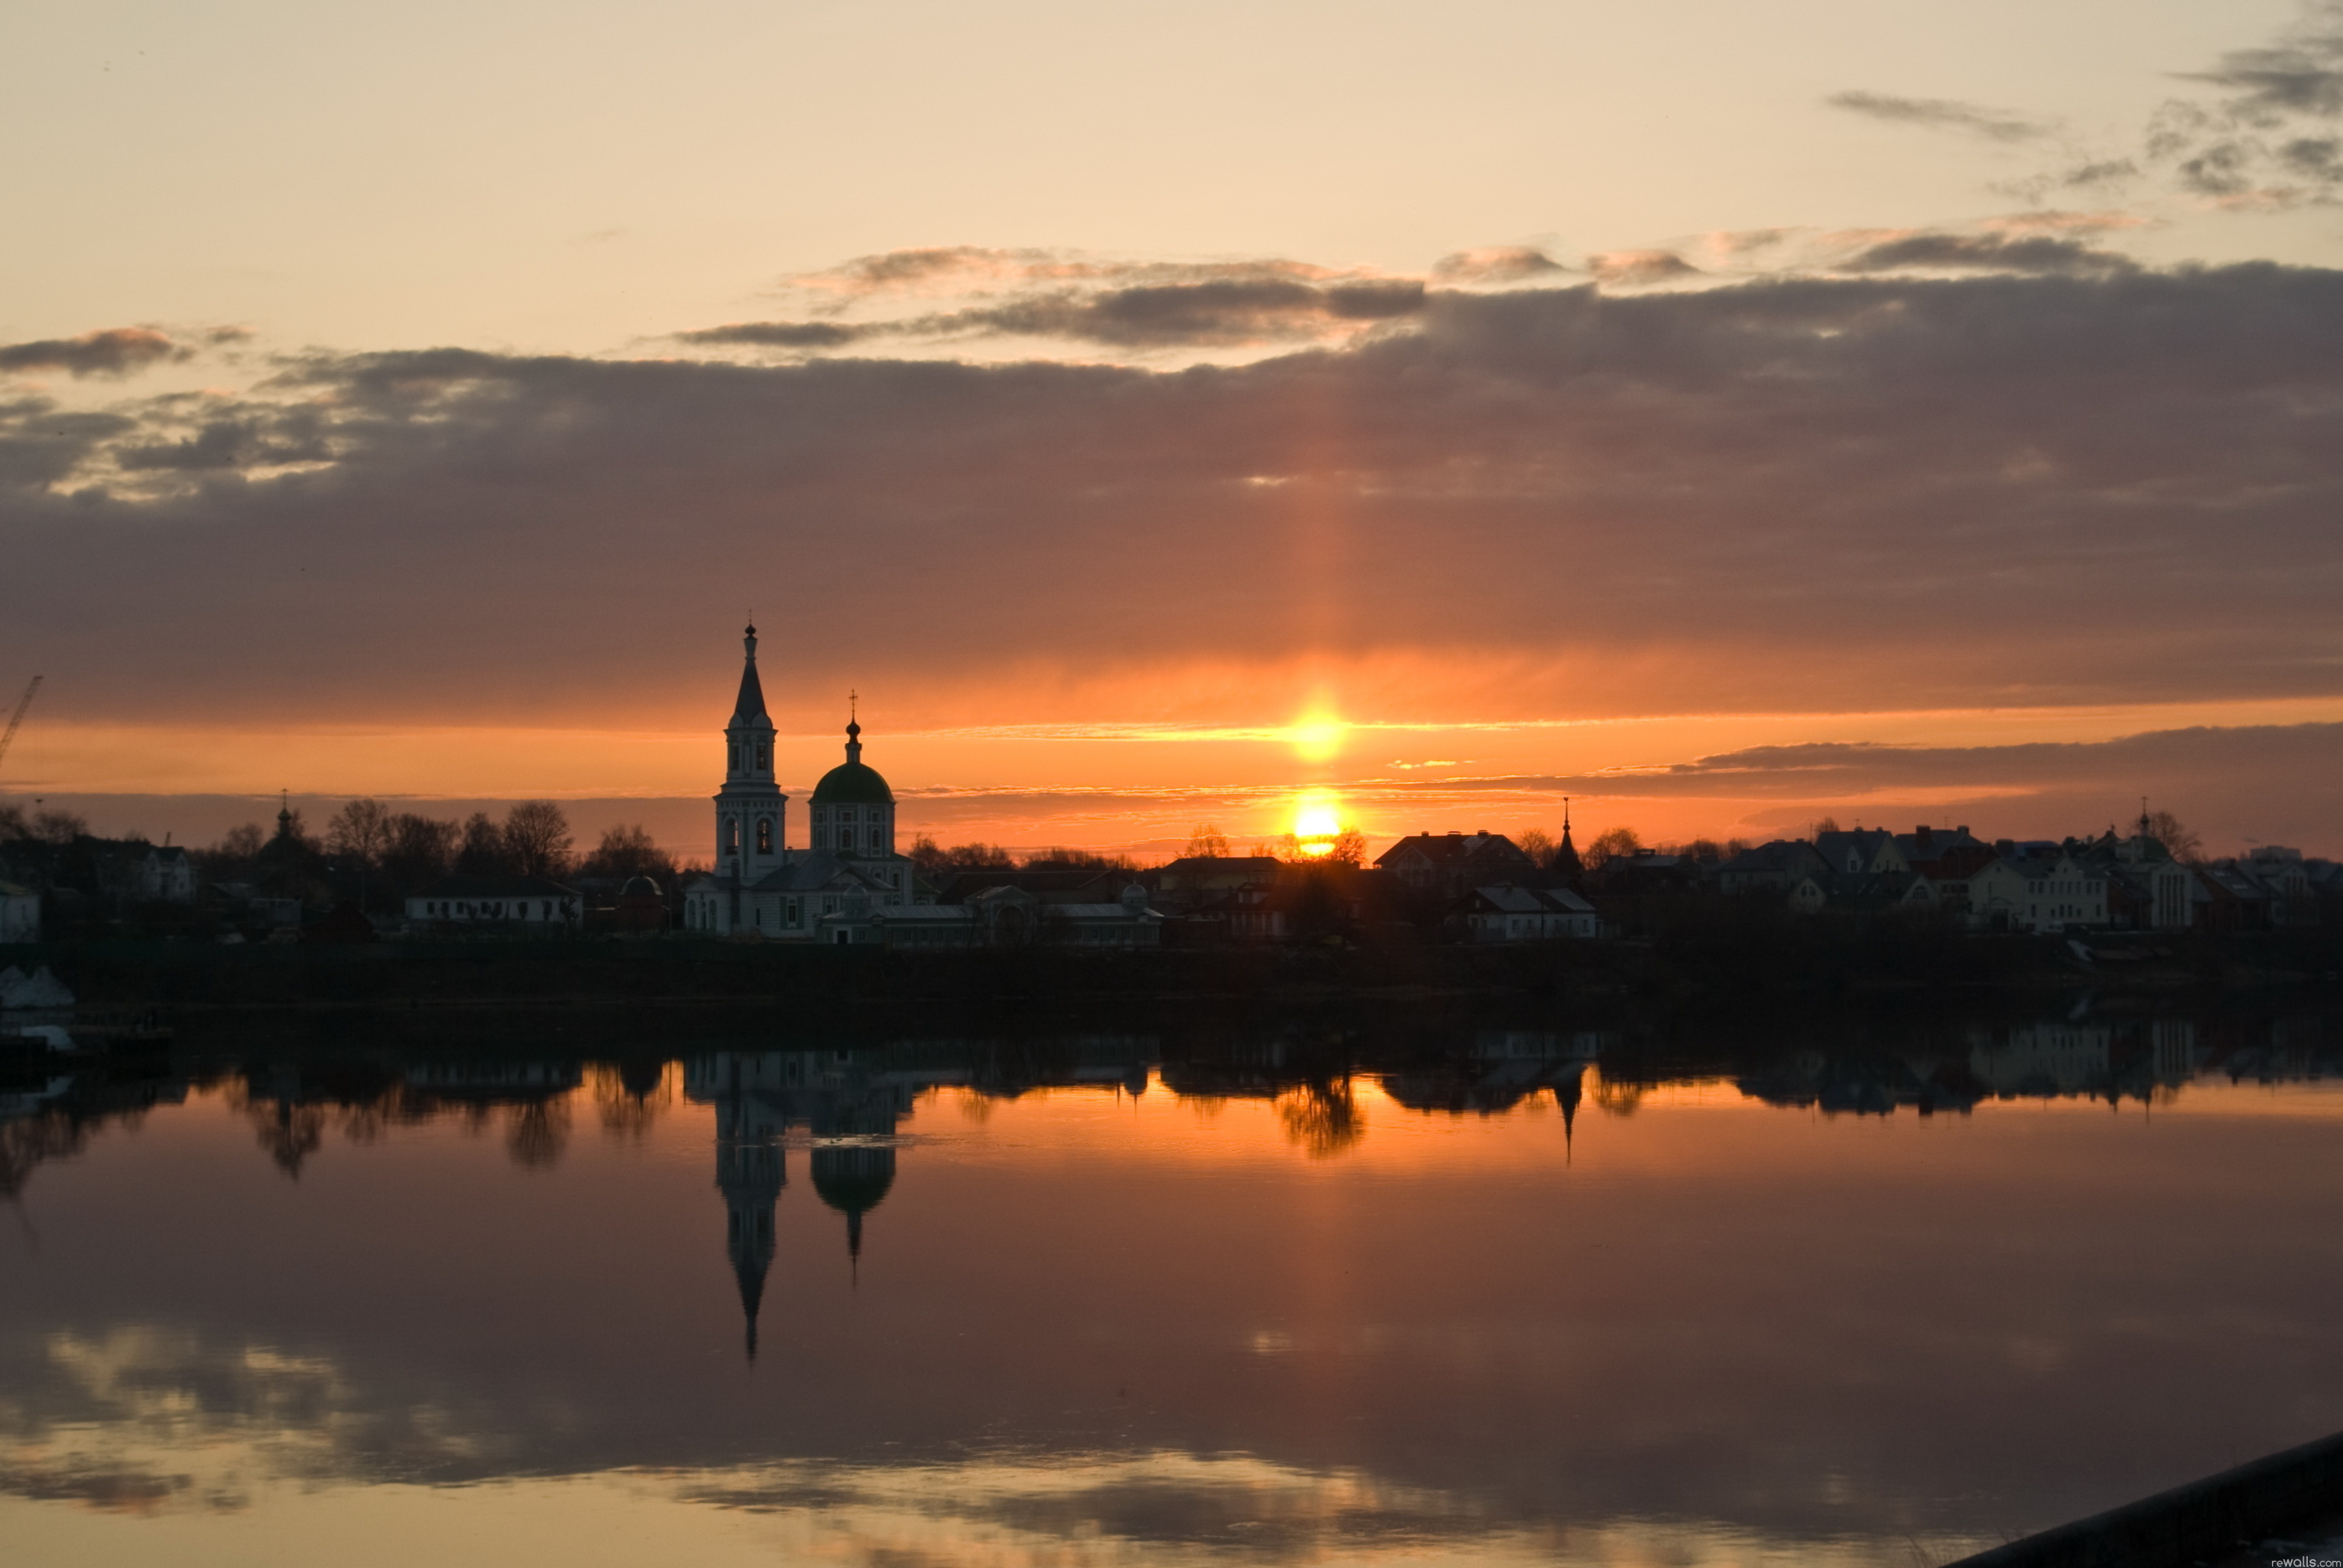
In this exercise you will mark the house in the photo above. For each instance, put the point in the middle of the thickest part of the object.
(1861, 851)
(1650, 872)
(997, 917)
(166, 876)
(2147, 889)
(1925, 848)
(20, 914)
(1195, 879)
(2038, 892)
(1861, 890)
(507, 903)
(1773, 868)
(1450, 864)
(1508, 914)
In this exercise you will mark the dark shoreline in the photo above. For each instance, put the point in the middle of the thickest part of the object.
(673, 987)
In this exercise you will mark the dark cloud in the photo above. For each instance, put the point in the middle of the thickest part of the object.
(2261, 142)
(2300, 73)
(1857, 491)
(778, 335)
(116, 351)
(1943, 114)
(1218, 312)
(1988, 252)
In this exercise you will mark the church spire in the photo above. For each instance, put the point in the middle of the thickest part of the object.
(853, 730)
(748, 708)
(1565, 855)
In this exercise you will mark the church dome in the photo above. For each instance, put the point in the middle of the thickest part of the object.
(853, 782)
(639, 888)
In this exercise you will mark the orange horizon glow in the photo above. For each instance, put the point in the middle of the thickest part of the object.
(1140, 787)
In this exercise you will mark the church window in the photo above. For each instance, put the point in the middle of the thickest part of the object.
(764, 755)
(874, 837)
(732, 835)
(764, 835)
(735, 763)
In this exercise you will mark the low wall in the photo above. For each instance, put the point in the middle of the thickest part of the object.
(2199, 1522)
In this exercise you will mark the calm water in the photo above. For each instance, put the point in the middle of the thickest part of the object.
(1511, 1296)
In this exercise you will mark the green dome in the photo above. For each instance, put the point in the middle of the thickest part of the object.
(852, 784)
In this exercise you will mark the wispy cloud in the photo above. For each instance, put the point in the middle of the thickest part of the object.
(116, 352)
(1944, 115)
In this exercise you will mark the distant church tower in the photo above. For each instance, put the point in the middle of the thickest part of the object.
(750, 810)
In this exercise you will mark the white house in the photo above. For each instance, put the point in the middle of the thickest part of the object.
(166, 876)
(1504, 913)
(2039, 893)
(20, 914)
(506, 903)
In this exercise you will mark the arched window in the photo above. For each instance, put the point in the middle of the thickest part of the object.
(764, 755)
(874, 837)
(734, 753)
(764, 835)
(732, 835)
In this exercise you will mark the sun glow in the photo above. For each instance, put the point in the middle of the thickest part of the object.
(1317, 736)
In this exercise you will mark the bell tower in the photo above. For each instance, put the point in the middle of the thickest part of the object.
(750, 810)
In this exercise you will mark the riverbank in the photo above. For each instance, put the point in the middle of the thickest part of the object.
(1725, 968)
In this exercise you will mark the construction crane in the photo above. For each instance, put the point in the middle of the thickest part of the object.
(18, 717)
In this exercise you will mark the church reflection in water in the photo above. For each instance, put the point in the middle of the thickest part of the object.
(845, 1106)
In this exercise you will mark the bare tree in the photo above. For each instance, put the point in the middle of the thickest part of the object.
(1611, 844)
(14, 823)
(481, 850)
(1824, 825)
(359, 831)
(418, 850)
(1207, 843)
(56, 827)
(2180, 842)
(630, 852)
(537, 838)
(1536, 844)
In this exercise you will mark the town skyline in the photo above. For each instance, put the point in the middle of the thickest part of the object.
(1953, 446)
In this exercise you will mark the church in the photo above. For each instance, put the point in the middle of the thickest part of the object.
(824, 893)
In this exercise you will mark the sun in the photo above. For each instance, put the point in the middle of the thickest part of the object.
(1317, 824)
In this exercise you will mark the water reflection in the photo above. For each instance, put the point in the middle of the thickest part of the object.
(1309, 1291)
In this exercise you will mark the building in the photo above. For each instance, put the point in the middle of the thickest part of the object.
(1451, 864)
(20, 914)
(1773, 868)
(529, 904)
(1517, 914)
(2043, 892)
(166, 876)
(1001, 916)
(762, 887)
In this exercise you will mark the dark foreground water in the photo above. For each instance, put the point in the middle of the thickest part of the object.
(1516, 1296)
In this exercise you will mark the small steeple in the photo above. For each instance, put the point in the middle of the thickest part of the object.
(853, 730)
(748, 708)
(1565, 855)
(285, 813)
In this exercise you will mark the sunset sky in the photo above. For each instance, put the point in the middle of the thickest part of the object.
(1720, 415)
